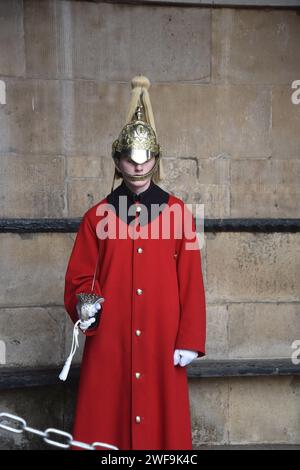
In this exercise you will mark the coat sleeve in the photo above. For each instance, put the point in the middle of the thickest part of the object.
(80, 270)
(192, 325)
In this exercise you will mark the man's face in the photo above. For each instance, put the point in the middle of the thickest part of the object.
(128, 166)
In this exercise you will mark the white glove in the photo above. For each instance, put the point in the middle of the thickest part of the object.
(92, 310)
(184, 356)
(85, 324)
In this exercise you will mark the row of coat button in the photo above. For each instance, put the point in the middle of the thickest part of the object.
(138, 332)
(139, 291)
(137, 375)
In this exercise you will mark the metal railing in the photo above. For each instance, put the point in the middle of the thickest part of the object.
(18, 425)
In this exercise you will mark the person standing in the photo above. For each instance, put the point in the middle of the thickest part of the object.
(133, 390)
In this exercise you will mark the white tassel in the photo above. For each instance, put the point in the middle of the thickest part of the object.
(75, 344)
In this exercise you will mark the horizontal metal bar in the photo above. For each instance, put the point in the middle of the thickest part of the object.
(210, 225)
(242, 368)
(252, 225)
(210, 3)
(249, 447)
(11, 377)
(39, 225)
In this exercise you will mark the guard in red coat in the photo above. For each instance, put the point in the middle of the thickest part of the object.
(133, 250)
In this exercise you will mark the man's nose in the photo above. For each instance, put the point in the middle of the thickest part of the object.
(139, 167)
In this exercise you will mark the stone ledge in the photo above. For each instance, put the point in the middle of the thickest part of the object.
(212, 3)
(242, 368)
(12, 378)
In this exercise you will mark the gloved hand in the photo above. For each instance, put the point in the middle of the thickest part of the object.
(184, 356)
(86, 313)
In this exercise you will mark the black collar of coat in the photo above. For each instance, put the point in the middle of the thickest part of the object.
(152, 195)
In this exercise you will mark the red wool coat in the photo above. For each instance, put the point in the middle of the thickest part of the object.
(130, 393)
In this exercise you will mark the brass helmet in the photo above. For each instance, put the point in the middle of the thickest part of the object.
(138, 140)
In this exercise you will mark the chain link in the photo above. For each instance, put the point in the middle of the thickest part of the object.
(18, 425)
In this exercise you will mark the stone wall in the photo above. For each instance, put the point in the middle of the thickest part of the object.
(221, 94)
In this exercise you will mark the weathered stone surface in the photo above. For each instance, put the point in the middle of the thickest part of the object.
(35, 266)
(62, 117)
(216, 200)
(255, 46)
(216, 332)
(213, 187)
(199, 181)
(33, 336)
(88, 167)
(31, 121)
(245, 410)
(12, 57)
(244, 266)
(265, 188)
(115, 42)
(244, 121)
(209, 408)
(262, 330)
(206, 121)
(85, 193)
(181, 177)
(264, 410)
(285, 121)
(32, 186)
